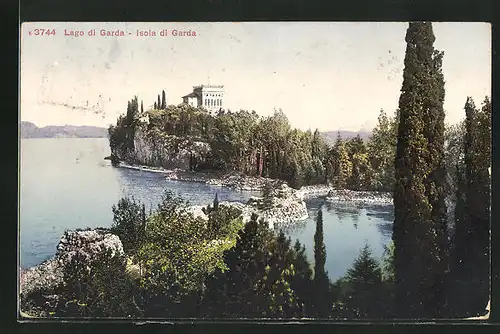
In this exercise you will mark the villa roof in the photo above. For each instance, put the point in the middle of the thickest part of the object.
(193, 94)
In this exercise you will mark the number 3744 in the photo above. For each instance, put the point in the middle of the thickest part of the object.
(41, 32)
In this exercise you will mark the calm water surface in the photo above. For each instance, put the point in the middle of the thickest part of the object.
(66, 184)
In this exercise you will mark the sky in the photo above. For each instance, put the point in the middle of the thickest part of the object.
(325, 75)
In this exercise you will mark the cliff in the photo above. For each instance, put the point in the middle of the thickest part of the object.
(156, 149)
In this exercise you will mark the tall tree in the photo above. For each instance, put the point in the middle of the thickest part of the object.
(382, 150)
(319, 248)
(345, 165)
(321, 281)
(159, 104)
(472, 221)
(128, 223)
(142, 108)
(361, 175)
(163, 100)
(419, 233)
(454, 157)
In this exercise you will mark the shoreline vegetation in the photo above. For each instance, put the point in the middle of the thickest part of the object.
(223, 261)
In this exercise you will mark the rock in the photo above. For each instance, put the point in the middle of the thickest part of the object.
(87, 243)
(47, 276)
(361, 197)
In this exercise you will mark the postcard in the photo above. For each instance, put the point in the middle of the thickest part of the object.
(254, 170)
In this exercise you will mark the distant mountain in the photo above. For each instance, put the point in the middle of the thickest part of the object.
(30, 130)
(331, 136)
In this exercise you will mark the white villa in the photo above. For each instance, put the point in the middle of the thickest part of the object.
(210, 97)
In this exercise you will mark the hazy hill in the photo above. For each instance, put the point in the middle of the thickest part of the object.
(331, 136)
(30, 130)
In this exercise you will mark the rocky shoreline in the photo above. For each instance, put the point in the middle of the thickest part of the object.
(359, 197)
(283, 208)
(286, 205)
(236, 181)
(239, 181)
(47, 278)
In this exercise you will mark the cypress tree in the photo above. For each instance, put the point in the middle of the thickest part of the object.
(216, 202)
(163, 100)
(419, 230)
(472, 227)
(321, 281)
(159, 104)
(460, 292)
(142, 108)
(483, 224)
(319, 248)
(462, 221)
(155, 106)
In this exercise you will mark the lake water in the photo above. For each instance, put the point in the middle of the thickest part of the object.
(65, 184)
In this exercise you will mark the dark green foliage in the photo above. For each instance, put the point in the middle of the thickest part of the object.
(361, 175)
(322, 303)
(163, 100)
(232, 293)
(340, 164)
(121, 136)
(454, 156)
(99, 288)
(263, 273)
(220, 218)
(216, 202)
(472, 211)
(129, 223)
(177, 256)
(362, 288)
(388, 296)
(419, 234)
(302, 282)
(382, 150)
(319, 249)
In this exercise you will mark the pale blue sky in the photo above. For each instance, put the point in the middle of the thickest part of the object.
(323, 75)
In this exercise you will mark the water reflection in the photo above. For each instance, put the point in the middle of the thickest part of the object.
(292, 228)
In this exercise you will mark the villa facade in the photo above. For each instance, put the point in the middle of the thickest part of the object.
(211, 97)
